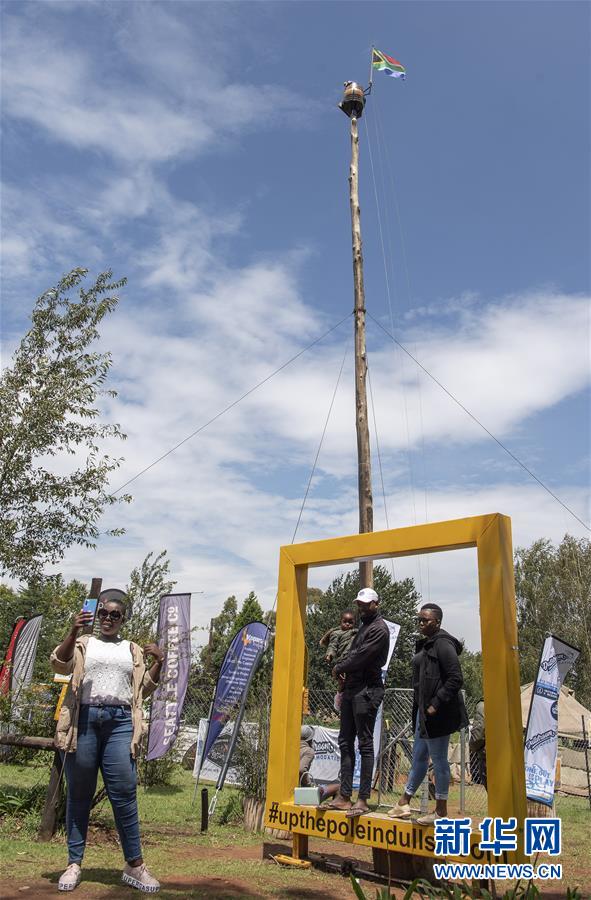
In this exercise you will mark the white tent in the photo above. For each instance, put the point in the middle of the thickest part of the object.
(570, 712)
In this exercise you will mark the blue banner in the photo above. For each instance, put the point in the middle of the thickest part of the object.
(238, 667)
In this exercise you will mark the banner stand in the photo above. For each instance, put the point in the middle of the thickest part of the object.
(235, 677)
(541, 737)
(237, 724)
(202, 755)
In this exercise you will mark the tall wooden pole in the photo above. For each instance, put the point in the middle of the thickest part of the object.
(361, 421)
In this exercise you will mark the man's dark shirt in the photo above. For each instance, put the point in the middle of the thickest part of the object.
(368, 654)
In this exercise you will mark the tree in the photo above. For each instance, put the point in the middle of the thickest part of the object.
(205, 671)
(48, 411)
(220, 634)
(553, 591)
(398, 602)
(251, 611)
(146, 586)
(471, 662)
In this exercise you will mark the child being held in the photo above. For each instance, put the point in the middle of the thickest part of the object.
(339, 639)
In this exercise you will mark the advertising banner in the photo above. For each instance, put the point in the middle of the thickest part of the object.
(17, 671)
(327, 756)
(541, 739)
(6, 669)
(394, 630)
(212, 766)
(238, 667)
(174, 637)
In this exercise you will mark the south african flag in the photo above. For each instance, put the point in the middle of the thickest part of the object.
(387, 64)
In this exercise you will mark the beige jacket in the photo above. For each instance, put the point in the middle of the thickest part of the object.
(66, 732)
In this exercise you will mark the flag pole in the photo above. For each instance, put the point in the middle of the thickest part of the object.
(370, 84)
(147, 761)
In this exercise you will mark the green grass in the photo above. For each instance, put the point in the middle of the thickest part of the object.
(173, 845)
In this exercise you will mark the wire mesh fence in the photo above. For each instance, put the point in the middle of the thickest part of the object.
(467, 796)
(468, 793)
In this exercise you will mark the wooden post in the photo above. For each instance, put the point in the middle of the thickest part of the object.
(53, 794)
(52, 798)
(361, 421)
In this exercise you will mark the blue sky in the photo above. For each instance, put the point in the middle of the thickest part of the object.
(197, 149)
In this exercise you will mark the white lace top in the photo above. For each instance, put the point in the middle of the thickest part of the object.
(108, 669)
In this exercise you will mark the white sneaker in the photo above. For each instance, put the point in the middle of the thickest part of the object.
(400, 811)
(429, 819)
(139, 877)
(70, 879)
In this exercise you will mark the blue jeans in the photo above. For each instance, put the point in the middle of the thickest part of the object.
(436, 749)
(104, 739)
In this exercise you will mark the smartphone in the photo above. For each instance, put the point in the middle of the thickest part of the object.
(90, 605)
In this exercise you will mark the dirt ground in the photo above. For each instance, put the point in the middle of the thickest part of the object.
(99, 883)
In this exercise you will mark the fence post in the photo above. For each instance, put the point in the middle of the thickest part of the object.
(204, 809)
(49, 814)
(586, 748)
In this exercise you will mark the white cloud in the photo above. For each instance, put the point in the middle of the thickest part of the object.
(175, 100)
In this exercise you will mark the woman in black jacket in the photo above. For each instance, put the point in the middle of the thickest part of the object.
(438, 710)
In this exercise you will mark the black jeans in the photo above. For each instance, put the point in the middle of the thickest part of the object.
(358, 717)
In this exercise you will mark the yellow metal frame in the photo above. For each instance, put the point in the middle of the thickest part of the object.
(491, 535)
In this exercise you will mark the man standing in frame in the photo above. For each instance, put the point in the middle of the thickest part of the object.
(360, 672)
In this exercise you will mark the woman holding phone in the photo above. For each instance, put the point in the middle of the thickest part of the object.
(100, 727)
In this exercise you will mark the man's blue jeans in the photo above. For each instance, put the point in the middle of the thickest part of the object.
(436, 749)
(104, 739)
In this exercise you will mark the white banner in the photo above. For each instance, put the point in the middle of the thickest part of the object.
(394, 630)
(212, 765)
(541, 739)
(327, 756)
(23, 659)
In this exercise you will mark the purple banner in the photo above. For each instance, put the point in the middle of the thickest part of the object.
(174, 637)
(238, 667)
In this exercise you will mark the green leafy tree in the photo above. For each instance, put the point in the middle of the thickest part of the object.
(220, 634)
(205, 671)
(398, 602)
(250, 611)
(553, 591)
(146, 586)
(49, 398)
(471, 662)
